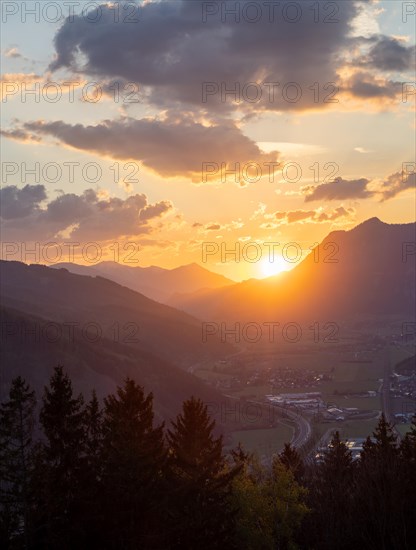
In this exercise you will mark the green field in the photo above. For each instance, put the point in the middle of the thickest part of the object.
(352, 428)
(403, 428)
(263, 441)
(347, 377)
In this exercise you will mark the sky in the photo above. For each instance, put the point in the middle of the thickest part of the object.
(171, 132)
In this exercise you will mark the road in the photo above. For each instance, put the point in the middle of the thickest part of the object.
(385, 391)
(303, 429)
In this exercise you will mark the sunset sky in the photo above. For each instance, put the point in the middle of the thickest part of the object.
(326, 112)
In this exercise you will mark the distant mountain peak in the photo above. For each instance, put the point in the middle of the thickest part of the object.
(191, 267)
(372, 221)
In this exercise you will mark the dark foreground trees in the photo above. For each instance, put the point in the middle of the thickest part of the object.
(132, 459)
(331, 494)
(16, 453)
(92, 476)
(199, 483)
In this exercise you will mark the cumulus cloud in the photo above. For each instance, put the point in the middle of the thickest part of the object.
(20, 135)
(396, 183)
(83, 217)
(155, 210)
(171, 51)
(170, 148)
(362, 188)
(339, 189)
(19, 203)
(365, 85)
(389, 54)
(314, 216)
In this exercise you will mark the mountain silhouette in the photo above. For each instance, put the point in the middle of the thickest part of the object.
(154, 282)
(121, 313)
(366, 271)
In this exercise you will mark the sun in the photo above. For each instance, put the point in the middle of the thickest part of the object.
(269, 267)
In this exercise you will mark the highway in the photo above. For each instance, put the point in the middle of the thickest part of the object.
(385, 391)
(303, 429)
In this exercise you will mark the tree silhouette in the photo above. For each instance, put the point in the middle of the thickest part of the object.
(292, 460)
(16, 430)
(133, 457)
(380, 506)
(200, 482)
(60, 463)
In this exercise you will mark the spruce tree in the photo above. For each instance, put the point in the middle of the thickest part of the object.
(200, 515)
(332, 492)
(408, 481)
(408, 444)
(292, 460)
(16, 429)
(93, 432)
(91, 487)
(61, 464)
(380, 505)
(133, 457)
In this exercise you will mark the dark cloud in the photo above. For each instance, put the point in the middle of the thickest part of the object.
(390, 55)
(339, 189)
(367, 86)
(396, 183)
(84, 217)
(170, 148)
(19, 203)
(315, 216)
(171, 50)
(299, 215)
(339, 212)
(213, 227)
(155, 210)
(19, 135)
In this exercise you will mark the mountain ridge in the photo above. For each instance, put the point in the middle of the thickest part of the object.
(155, 282)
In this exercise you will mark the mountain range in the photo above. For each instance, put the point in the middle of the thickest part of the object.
(154, 282)
(364, 272)
(102, 331)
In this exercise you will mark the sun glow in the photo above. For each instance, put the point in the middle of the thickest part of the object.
(273, 266)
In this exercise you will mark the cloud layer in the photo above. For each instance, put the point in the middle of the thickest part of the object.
(89, 216)
(362, 188)
(170, 148)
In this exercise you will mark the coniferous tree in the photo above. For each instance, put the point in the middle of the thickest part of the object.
(16, 430)
(292, 460)
(91, 488)
(133, 457)
(200, 483)
(408, 481)
(331, 497)
(408, 444)
(380, 506)
(93, 430)
(61, 464)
